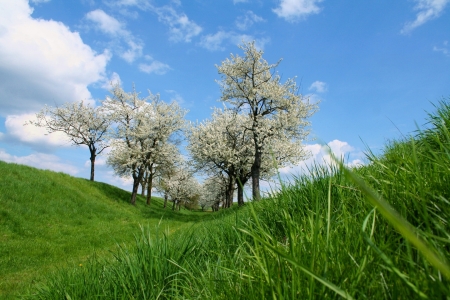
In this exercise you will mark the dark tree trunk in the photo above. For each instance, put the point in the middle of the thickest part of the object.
(256, 167)
(92, 158)
(165, 200)
(240, 187)
(143, 185)
(149, 187)
(136, 182)
(229, 193)
(174, 203)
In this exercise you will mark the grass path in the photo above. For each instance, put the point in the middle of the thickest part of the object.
(51, 220)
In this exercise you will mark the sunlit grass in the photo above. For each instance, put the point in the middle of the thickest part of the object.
(379, 231)
(50, 220)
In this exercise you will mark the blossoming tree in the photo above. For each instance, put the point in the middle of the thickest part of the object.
(222, 144)
(143, 128)
(250, 86)
(83, 125)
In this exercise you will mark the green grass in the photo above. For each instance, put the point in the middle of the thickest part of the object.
(50, 220)
(376, 232)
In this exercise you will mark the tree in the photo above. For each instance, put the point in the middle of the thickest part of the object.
(143, 129)
(251, 86)
(161, 164)
(225, 144)
(222, 144)
(213, 192)
(182, 187)
(83, 125)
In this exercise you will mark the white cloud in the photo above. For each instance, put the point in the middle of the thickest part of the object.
(156, 67)
(100, 161)
(106, 23)
(141, 4)
(318, 87)
(444, 49)
(427, 10)
(114, 78)
(31, 134)
(124, 182)
(246, 21)
(134, 51)
(213, 42)
(320, 156)
(180, 27)
(112, 27)
(41, 161)
(42, 61)
(176, 97)
(293, 10)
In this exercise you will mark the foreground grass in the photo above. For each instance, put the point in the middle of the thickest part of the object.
(51, 220)
(379, 232)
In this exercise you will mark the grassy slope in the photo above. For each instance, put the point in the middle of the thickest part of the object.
(319, 238)
(48, 220)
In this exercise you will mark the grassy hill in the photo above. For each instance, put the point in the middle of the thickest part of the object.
(376, 232)
(380, 231)
(50, 220)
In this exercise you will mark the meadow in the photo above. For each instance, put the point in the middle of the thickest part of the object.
(50, 221)
(378, 231)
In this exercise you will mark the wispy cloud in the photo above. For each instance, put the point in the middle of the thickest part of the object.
(114, 78)
(444, 49)
(320, 155)
(181, 28)
(214, 42)
(155, 67)
(116, 29)
(246, 21)
(41, 161)
(140, 4)
(318, 87)
(427, 10)
(294, 10)
(176, 97)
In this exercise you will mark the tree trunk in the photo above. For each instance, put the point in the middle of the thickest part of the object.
(228, 200)
(134, 192)
(143, 186)
(149, 187)
(136, 182)
(240, 183)
(174, 202)
(165, 200)
(256, 175)
(92, 158)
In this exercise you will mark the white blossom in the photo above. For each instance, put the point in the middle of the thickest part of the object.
(83, 125)
(143, 129)
(277, 112)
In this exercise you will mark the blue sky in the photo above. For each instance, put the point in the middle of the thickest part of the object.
(375, 66)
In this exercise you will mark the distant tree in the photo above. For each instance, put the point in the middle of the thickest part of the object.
(252, 87)
(143, 129)
(222, 144)
(213, 192)
(182, 187)
(83, 125)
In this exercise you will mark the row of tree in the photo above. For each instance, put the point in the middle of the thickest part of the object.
(259, 129)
